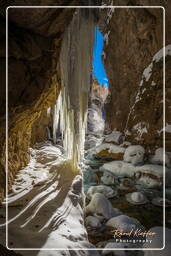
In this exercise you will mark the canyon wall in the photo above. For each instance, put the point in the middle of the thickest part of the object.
(34, 42)
(132, 38)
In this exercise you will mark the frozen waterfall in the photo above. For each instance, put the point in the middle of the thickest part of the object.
(75, 66)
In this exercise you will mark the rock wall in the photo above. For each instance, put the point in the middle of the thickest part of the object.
(96, 114)
(34, 42)
(132, 38)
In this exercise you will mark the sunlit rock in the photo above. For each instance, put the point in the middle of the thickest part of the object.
(134, 154)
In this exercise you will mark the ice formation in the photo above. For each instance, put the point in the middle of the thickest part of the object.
(75, 66)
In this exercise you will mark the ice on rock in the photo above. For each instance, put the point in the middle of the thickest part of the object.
(105, 190)
(93, 222)
(123, 223)
(115, 137)
(119, 168)
(101, 206)
(159, 157)
(134, 154)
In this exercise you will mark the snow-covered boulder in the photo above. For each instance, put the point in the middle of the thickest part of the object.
(124, 223)
(105, 190)
(119, 168)
(158, 158)
(108, 178)
(92, 222)
(151, 176)
(101, 206)
(134, 154)
(115, 137)
(111, 151)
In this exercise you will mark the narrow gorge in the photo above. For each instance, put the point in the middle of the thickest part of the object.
(85, 121)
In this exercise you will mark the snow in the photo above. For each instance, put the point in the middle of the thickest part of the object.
(46, 205)
(119, 168)
(134, 154)
(110, 147)
(101, 206)
(105, 190)
(168, 128)
(141, 128)
(159, 157)
(115, 137)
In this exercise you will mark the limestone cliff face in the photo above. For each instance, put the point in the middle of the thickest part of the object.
(33, 83)
(132, 38)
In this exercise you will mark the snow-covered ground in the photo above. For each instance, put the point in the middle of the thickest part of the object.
(45, 206)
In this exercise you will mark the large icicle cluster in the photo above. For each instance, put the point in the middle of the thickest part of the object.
(75, 66)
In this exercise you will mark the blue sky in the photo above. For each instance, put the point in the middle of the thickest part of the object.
(98, 67)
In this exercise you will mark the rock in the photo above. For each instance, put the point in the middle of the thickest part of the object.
(134, 154)
(159, 157)
(101, 206)
(113, 245)
(105, 190)
(109, 151)
(93, 222)
(157, 242)
(115, 137)
(123, 223)
(96, 122)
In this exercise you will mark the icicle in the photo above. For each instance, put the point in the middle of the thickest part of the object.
(75, 65)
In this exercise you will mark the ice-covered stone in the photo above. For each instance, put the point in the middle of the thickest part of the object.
(105, 190)
(101, 206)
(134, 154)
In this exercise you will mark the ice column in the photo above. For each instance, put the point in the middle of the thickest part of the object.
(75, 66)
